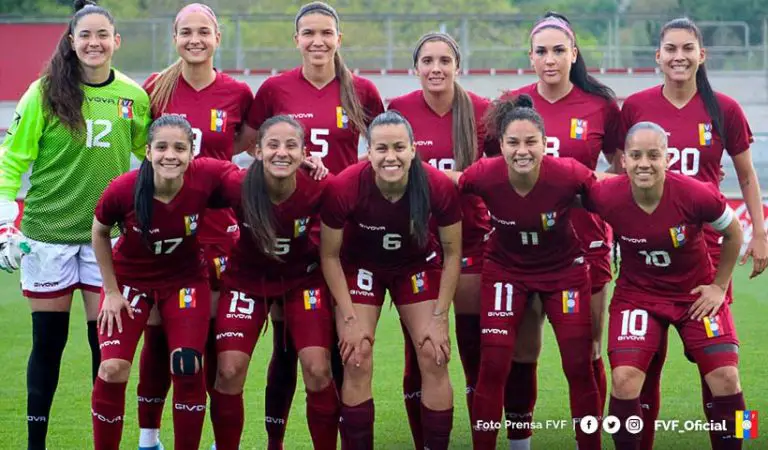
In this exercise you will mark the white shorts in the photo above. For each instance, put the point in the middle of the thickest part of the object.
(54, 270)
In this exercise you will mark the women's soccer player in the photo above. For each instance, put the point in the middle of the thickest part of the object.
(334, 106)
(667, 278)
(157, 260)
(701, 125)
(533, 250)
(275, 260)
(447, 126)
(582, 119)
(381, 210)
(76, 126)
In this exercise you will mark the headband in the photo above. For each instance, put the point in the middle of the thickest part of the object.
(442, 37)
(197, 8)
(316, 6)
(554, 22)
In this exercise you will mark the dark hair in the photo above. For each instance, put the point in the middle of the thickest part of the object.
(464, 128)
(702, 81)
(257, 207)
(144, 191)
(503, 112)
(578, 75)
(350, 102)
(418, 183)
(62, 94)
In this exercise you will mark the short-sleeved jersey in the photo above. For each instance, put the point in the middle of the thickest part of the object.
(328, 131)
(377, 232)
(434, 142)
(216, 113)
(249, 268)
(662, 253)
(71, 168)
(173, 254)
(533, 237)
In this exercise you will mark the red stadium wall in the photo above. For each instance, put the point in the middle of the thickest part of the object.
(26, 50)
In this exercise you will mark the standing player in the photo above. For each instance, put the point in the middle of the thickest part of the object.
(216, 106)
(533, 250)
(157, 260)
(275, 260)
(334, 106)
(582, 120)
(77, 126)
(447, 124)
(701, 125)
(666, 278)
(385, 204)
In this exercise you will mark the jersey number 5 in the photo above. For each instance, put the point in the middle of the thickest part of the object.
(317, 137)
(198, 141)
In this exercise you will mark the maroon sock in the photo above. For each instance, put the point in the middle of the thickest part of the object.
(323, 409)
(281, 385)
(188, 410)
(602, 385)
(357, 422)
(154, 377)
(576, 356)
(488, 400)
(211, 357)
(228, 416)
(650, 397)
(437, 428)
(107, 411)
(623, 409)
(708, 403)
(724, 410)
(468, 341)
(412, 389)
(520, 399)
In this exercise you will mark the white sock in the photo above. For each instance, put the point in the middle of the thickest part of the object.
(520, 444)
(149, 437)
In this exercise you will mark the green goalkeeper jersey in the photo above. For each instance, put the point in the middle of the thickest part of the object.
(71, 168)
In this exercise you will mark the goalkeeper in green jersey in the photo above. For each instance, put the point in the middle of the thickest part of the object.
(76, 126)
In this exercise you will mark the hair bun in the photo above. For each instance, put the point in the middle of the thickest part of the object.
(523, 101)
(556, 15)
(80, 4)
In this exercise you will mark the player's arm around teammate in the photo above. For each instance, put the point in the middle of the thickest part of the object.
(385, 205)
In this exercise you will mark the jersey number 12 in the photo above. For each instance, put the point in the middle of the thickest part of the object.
(95, 140)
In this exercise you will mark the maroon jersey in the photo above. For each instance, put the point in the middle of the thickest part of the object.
(533, 237)
(328, 131)
(173, 254)
(434, 142)
(377, 233)
(662, 253)
(249, 268)
(580, 126)
(216, 113)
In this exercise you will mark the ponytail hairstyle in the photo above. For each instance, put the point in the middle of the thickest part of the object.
(257, 207)
(578, 75)
(164, 84)
(464, 128)
(144, 190)
(350, 102)
(62, 95)
(702, 80)
(503, 112)
(418, 182)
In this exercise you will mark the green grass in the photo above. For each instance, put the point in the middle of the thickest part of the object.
(70, 427)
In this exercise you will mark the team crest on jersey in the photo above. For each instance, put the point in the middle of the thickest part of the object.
(218, 120)
(220, 263)
(579, 129)
(125, 108)
(187, 298)
(713, 326)
(679, 235)
(548, 220)
(190, 224)
(313, 299)
(705, 134)
(467, 262)
(570, 301)
(342, 119)
(300, 226)
(419, 282)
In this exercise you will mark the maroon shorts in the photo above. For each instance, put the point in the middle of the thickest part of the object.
(600, 273)
(415, 285)
(636, 327)
(308, 315)
(216, 255)
(185, 311)
(504, 298)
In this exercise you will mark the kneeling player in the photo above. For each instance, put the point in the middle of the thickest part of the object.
(385, 204)
(157, 260)
(275, 260)
(667, 278)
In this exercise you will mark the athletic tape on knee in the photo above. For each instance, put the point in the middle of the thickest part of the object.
(185, 360)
